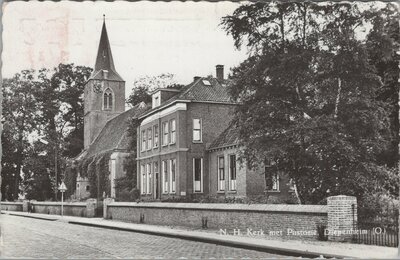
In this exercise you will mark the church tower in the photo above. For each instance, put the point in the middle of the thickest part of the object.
(104, 95)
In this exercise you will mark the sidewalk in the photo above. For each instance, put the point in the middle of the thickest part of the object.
(296, 248)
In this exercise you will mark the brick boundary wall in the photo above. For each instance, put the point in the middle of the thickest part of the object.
(11, 206)
(54, 208)
(78, 209)
(289, 221)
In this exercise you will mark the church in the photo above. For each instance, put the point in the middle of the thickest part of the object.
(187, 145)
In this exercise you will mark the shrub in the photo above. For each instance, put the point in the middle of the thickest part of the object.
(127, 195)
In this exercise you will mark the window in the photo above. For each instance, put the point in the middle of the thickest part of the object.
(77, 185)
(173, 131)
(156, 178)
(165, 133)
(143, 140)
(206, 82)
(172, 175)
(108, 99)
(196, 130)
(143, 173)
(221, 174)
(155, 130)
(232, 172)
(165, 176)
(271, 179)
(275, 182)
(148, 175)
(87, 188)
(198, 174)
(149, 138)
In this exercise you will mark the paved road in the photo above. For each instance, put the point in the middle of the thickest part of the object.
(33, 238)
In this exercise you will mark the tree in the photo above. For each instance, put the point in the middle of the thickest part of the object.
(48, 105)
(19, 112)
(36, 182)
(382, 43)
(308, 97)
(144, 85)
(9, 157)
(60, 98)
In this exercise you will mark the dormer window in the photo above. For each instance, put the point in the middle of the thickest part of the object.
(108, 99)
(206, 82)
(156, 99)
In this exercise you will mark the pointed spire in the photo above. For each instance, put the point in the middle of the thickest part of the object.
(104, 60)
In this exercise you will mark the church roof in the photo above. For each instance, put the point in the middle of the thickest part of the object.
(114, 135)
(104, 60)
(229, 137)
(204, 89)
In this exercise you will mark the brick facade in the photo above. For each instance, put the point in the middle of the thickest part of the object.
(214, 118)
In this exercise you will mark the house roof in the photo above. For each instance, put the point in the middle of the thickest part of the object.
(205, 89)
(114, 135)
(229, 137)
(104, 60)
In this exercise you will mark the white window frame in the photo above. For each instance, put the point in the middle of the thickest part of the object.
(172, 137)
(201, 176)
(164, 171)
(221, 183)
(155, 134)
(165, 133)
(143, 179)
(149, 138)
(148, 178)
(172, 176)
(232, 183)
(200, 130)
(144, 141)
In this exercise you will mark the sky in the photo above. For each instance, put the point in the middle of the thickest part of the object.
(147, 38)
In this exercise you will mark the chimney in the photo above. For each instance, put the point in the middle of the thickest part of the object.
(220, 72)
(195, 78)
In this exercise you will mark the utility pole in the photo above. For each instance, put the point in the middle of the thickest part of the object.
(56, 168)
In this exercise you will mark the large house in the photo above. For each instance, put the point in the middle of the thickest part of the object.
(187, 145)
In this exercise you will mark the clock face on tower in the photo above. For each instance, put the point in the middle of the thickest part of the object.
(97, 87)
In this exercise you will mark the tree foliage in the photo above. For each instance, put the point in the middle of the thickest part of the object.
(43, 113)
(19, 113)
(310, 96)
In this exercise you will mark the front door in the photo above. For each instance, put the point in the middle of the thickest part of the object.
(156, 190)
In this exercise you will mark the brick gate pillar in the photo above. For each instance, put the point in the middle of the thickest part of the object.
(105, 204)
(25, 205)
(342, 217)
(91, 205)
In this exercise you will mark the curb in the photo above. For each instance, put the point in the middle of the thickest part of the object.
(29, 216)
(236, 244)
